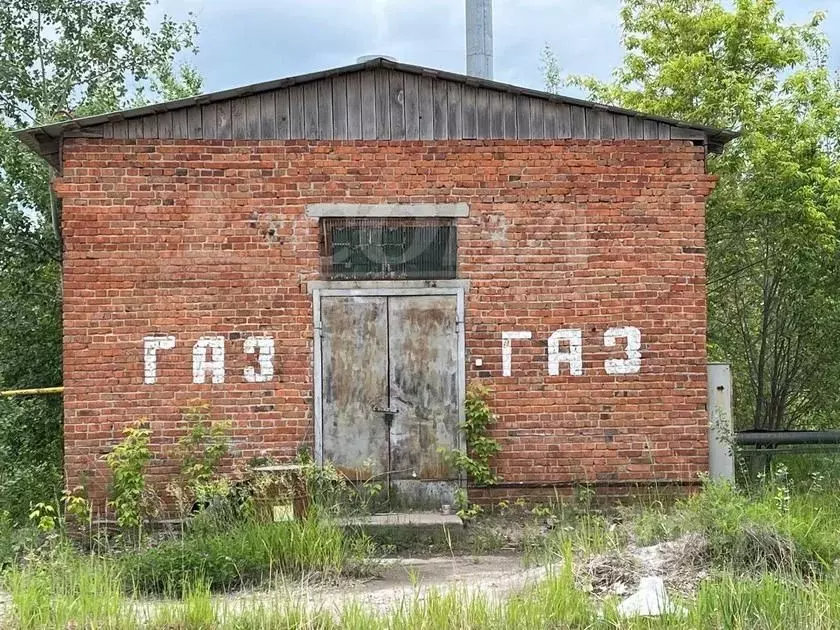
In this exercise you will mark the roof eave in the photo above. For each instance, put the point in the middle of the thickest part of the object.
(39, 138)
(43, 144)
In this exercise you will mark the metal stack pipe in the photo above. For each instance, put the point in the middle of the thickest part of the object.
(480, 38)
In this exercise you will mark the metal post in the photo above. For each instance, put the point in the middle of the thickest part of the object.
(480, 38)
(719, 405)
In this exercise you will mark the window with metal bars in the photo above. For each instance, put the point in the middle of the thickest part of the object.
(388, 249)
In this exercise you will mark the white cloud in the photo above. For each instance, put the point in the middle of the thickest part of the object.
(245, 41)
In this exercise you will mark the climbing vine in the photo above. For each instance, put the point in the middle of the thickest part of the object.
(480, 448)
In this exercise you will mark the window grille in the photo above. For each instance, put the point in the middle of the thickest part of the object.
(388, 249)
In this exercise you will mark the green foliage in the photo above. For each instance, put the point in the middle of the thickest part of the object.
(130, 498)
(246, 554)
(772, 223)
(65, 590)
(652, 526)
(44, 517)
(14, 540)
(773, 527)
(30, 453)
(194, 610)
(702, 61)
(466, 511)
(76, 505)
(203, 447)
(45, 599)
(200, 452)
(332, 493)
(475, 459)
(58, 59)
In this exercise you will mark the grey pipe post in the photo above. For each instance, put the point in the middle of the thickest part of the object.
(719, 405)
(480, 38)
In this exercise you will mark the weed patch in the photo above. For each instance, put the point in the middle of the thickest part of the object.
(84, 593)
(766, 529)
(66, 589)
(248, 554)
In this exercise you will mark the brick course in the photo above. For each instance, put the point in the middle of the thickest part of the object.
(193, 238)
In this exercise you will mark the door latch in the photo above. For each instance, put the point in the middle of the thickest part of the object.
(388, 415)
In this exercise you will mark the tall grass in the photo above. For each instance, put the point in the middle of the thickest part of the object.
(776, 553)
(85, 593)
(769, 528)
(246, 554)
(67, 591)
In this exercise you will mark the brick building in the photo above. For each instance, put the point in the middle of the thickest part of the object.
(329, 259)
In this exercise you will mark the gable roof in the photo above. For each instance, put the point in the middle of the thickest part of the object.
(375, 99)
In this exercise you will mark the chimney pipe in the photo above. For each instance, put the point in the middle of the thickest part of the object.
(480, 38)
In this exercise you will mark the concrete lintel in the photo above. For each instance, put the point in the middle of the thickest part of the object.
(388, 210)
(385, 285)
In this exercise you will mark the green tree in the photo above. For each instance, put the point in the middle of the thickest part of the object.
(772, 223)
(59, 59)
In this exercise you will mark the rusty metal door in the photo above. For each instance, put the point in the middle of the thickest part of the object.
(423, 381)
(390, 393)
(354, 368)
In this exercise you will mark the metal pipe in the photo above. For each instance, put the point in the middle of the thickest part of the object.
(38, 391)
(769, 438)
(600, 483)
(480, 38)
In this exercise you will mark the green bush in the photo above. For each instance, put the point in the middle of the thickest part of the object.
(130, 497)
(15, 541)
(30, 454)
(478, 417)
(200, 451)
(247, 554)
(770, 528)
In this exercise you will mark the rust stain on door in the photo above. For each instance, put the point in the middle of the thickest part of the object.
(354, 348)
(390, 392)
(423, 351)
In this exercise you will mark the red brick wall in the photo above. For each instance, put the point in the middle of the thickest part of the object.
(175, 237)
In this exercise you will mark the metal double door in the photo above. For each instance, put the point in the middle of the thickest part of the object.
(391, 393)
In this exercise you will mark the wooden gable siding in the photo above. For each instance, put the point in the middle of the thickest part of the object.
(388, 104)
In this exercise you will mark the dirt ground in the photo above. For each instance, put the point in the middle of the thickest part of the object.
(495, 577)
(682, 563)
(400, 580)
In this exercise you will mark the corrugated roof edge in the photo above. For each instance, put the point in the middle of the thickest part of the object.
(42, 139)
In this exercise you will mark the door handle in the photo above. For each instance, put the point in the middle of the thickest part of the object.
(390, 412)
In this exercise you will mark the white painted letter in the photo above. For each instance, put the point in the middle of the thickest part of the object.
(266, 359)
(216, 364)
(150, 347)
(506, 350)
(574, 357)
(633, 363)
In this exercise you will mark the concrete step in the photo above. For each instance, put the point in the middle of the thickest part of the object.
(390, 519)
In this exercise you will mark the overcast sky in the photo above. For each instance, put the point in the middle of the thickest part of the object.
(247, 41)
